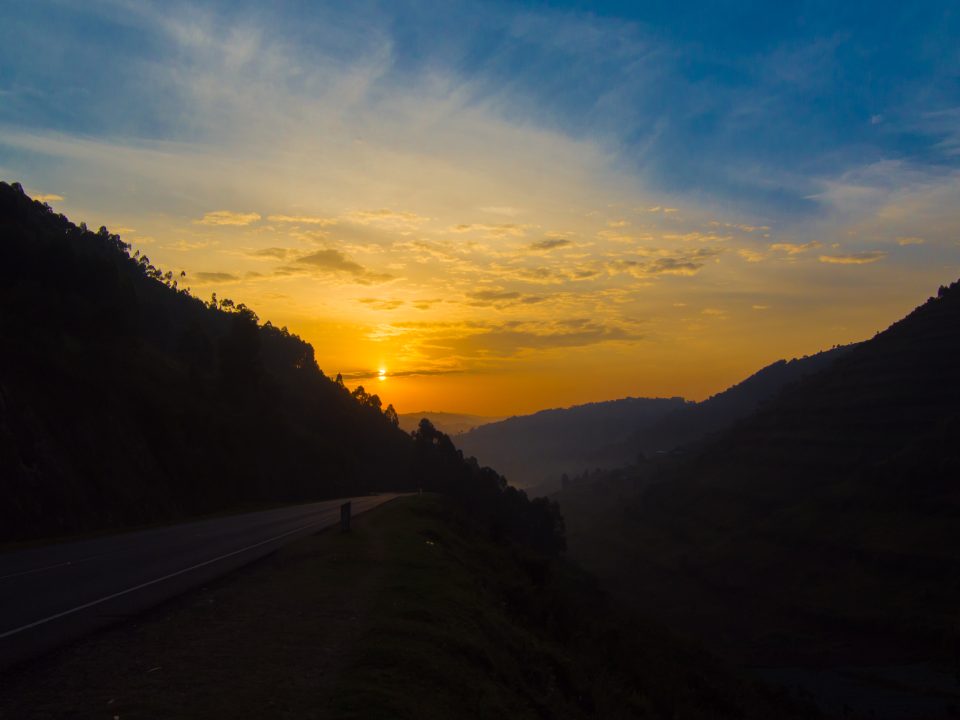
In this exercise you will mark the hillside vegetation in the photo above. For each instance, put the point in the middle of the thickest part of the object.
(124, 400)
(449, 423)
(824, 527)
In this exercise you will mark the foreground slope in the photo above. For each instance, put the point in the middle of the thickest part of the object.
(415, 613)
(826, 525)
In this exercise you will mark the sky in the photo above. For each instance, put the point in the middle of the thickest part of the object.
(497, 207)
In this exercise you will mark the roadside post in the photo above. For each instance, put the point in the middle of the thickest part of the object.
(345, 517)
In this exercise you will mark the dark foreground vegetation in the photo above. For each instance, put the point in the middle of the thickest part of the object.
(824, 529)
(126, 400)
(415, 613)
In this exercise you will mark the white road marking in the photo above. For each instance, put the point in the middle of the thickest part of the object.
(51, 567)
(129, 590)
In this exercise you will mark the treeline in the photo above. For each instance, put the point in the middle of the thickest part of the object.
(126, 400)
(506, 511)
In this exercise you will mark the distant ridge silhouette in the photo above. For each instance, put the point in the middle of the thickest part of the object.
(535, 451)
(827, 523)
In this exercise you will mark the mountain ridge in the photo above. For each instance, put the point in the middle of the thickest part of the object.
(822, 525)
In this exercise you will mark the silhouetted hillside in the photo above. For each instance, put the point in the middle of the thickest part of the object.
(532, 450)
(826, 525)
(695, 421)
(125, 400)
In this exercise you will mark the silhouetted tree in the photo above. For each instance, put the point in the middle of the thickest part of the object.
(391, 415)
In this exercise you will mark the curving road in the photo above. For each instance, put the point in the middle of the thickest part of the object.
(55, 593)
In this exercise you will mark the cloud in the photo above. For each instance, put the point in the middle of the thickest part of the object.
(421, 372)
(796, 248)
(226, 217)
(386, 217)
(514, 337)
(664, 262)
(751, 256)
(661, 209)
(493, 295)
(212, 277)
(550, 244)
(47, 197)
(909, 240)
(696, 236)
(497, 231)
(505, 210)
(303, 220)
(272, 253)
(858, 258)
(378, 304)
(333, 261)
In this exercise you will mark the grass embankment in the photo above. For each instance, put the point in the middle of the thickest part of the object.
(414, 614)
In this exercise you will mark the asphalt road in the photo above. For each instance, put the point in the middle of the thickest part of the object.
(55, 593)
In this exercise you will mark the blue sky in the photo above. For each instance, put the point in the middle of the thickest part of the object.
(743, 102)
(485, 186)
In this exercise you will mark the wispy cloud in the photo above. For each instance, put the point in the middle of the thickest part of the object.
(436, 171)
(47, 197)
(302, 220)
(227, 217)
(332, 261)
(272, 253)
(496, 231)
(379, 304)
(796, 248)
(550, 244)
(859, 258)
(213, 277)
(391, 218)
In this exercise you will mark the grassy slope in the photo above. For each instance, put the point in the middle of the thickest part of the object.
(411, 615)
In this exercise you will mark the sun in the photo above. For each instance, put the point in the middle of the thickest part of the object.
(382, 374)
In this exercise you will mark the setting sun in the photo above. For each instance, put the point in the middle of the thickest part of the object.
(553, 249)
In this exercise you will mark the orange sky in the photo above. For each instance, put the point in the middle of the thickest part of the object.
(541, 278)
(491, 255)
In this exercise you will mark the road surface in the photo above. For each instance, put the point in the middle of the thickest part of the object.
(55, 593)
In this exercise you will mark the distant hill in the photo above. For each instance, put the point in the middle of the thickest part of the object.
(825, 525)
(126, 400)
(449, 423)
(534, 451)
(695, 421)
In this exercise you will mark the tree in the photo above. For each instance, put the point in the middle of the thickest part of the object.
(391, 415)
